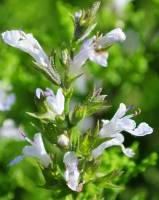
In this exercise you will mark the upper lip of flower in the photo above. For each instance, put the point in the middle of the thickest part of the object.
(28, 44)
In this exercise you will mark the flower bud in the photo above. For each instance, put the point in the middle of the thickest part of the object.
(63, 140)
(84, 22)
(65, 57)
(78, 114)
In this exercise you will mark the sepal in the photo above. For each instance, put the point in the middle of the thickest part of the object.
(95, 102)
(46, 116)
(50, 73)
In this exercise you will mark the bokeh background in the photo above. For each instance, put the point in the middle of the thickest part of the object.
(132, 77)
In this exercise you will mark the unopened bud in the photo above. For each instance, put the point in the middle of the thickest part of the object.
(78, 114)
(63, 140)
(65, 56)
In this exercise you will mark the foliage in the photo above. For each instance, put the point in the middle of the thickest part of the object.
(131, 75)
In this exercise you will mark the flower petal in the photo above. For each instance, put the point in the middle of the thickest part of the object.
(80, 58)
(26, 43)
(142, 130)
(16, 160)
(113, 142)
(48, 92)
(56, 103)
(125, 124)
(120, 112)
(108, 130)
(104, 121)
(37, 150)
(127, 151)
(60, 99)
(71, 174)
(116, 35)
(99, 57)
(38, 93)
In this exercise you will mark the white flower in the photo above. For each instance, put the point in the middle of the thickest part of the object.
(92, 49)
(7, 99)
(113, 128)
(35, 150)
(9, 130)
(120, 5)
(56, 102)
(88, 51)
(72, 173)
(122, 122)
(28, 44)
(63, 140)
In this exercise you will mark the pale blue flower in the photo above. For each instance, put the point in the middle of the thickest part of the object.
(72, 173)
(36, 149)
(112, 130)
(92, 49)
(28, 44)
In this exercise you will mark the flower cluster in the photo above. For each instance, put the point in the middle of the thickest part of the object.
(59, 147)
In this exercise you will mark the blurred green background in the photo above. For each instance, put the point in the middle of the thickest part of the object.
(132, 77)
